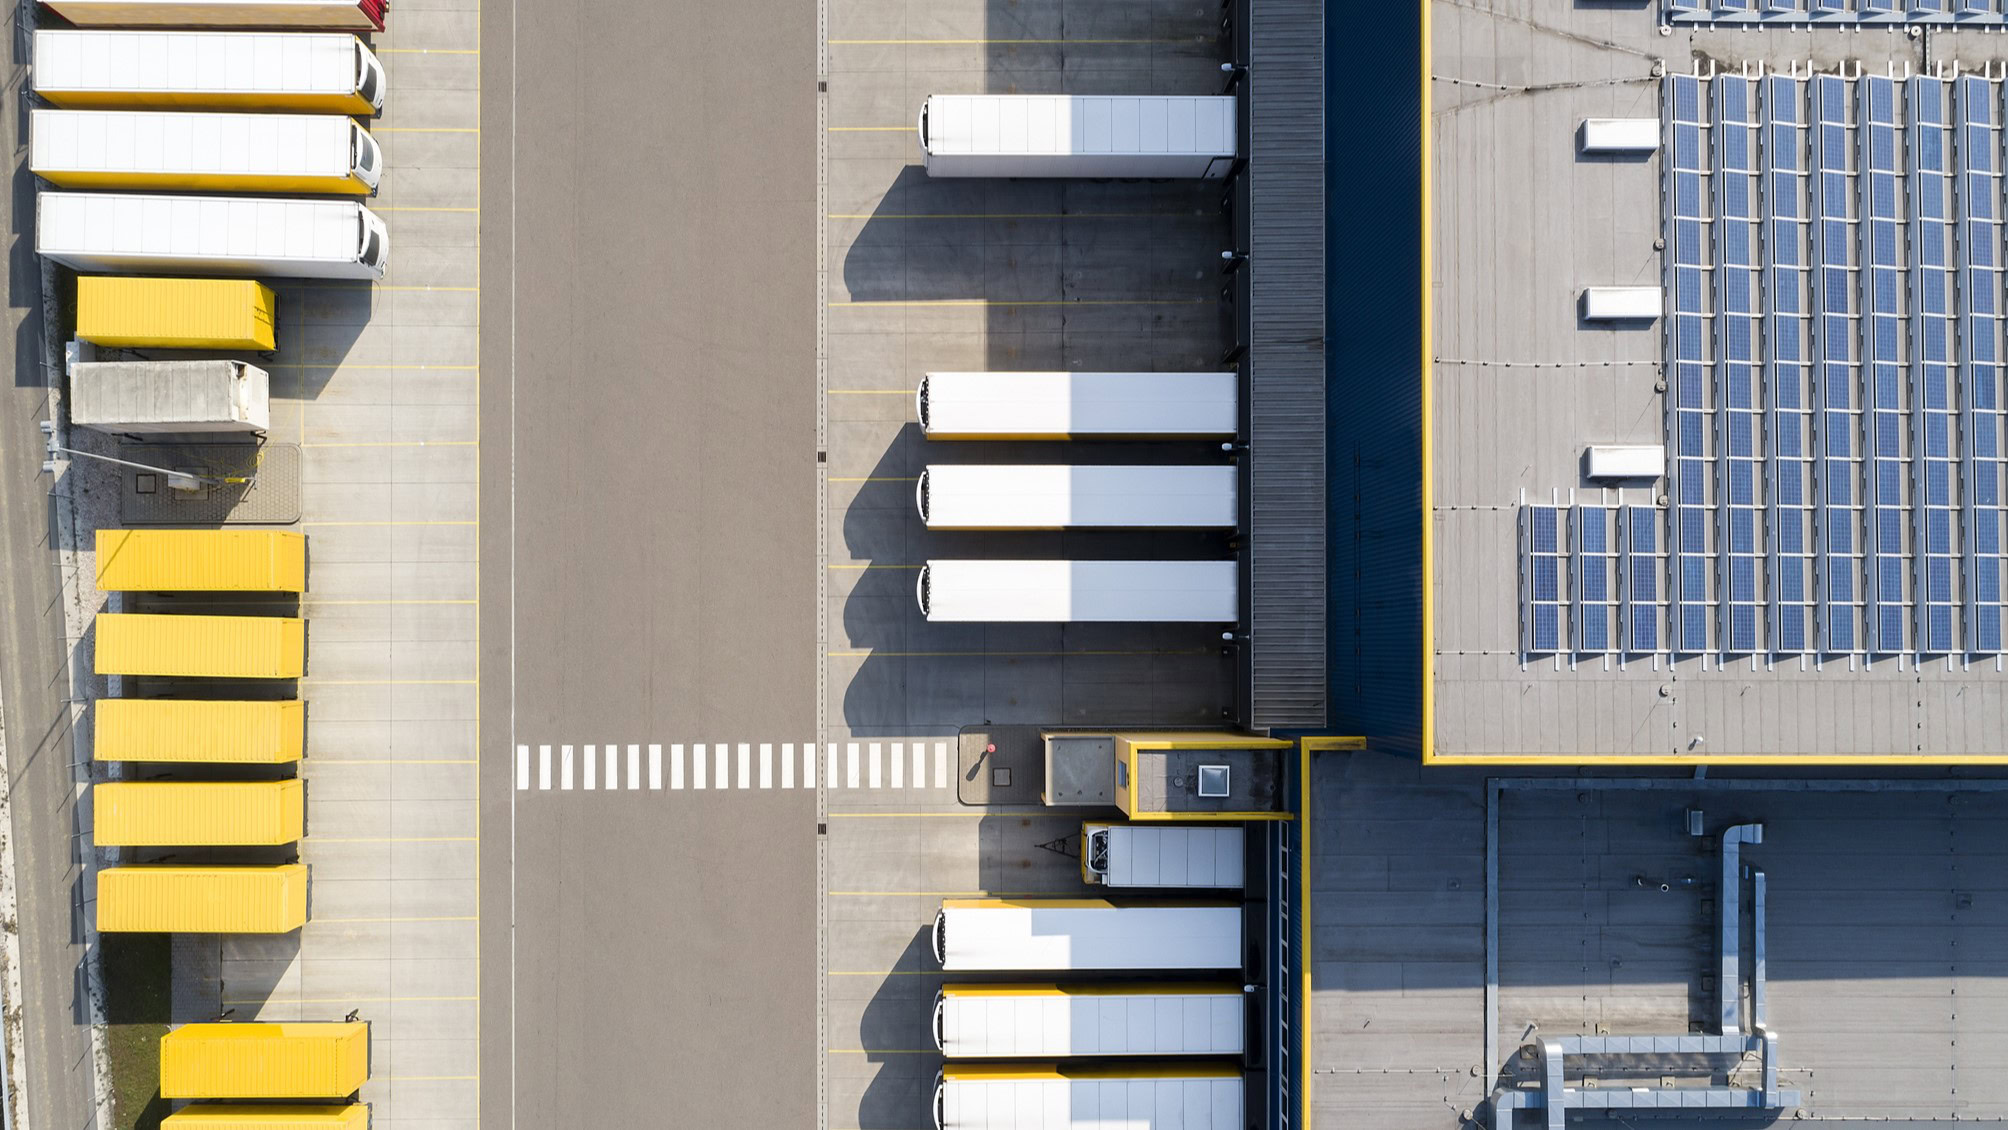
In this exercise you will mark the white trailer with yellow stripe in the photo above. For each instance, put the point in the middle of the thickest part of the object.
(1049, 1021)
(1132, 1096)
(1012, 935)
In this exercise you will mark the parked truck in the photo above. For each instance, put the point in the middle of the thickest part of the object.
(305, 72)
(202, 561)
(1163, 855)
(1056, 1021)
(207, 731)
(204, 151)
(311, 1060)
(211, 235)
(354, 15)
(1052, 1096)
(132, 312)
(211, 647)
(974, 496)
(1070, 135)
(1013, 935)
(978, 591)
(143, 397)
(201, 813)
(1021, 406)
(158, 898)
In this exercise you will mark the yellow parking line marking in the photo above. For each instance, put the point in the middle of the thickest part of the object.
(311, 840)
(427, 51)
(871, 129)
(355, 365)
(351, 1000)
(1003, 654)
(884, 973)
(387, 682)
(318, 760)
(1192, 41)
(350, 921)
(432, 1078)
(1026, 302)
(1013, 215)
(416, 208)
(868, 566)
(874, 478)
(870, 392)
(427, 129)
(390, 523)
(403, 443)
(883, 815)
(315, 600)
(885, 1051)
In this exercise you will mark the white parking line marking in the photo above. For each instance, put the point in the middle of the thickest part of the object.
(851, 765)
(592, 760)
(634, 767)
(655, 767)
(720, 779)
(543, 767)
(613, 766)
(898, 765)
(808, 765)
(787, 765)
(676, 766)
(565, 767)
(877, 752)
(522, 767)
(830, 759)
(698, 763)
(941, 765)
(745, 766)
(920, 765)
(766, 765)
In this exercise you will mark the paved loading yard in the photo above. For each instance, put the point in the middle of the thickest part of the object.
(980, 274)
(377, 384)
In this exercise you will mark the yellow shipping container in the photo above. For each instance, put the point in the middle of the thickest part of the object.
(354, 1116)
(202, 561)
(160, 899)
(146, 313)
(174, 729)
(216, 647)
(206, 813)
(328, 1060)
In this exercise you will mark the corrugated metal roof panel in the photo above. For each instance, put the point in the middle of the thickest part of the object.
(220, 647)
(1286, 364)
(212, 813)
(199, 730)
(202, 561)
(264, 1061)
(160, 899)
(139, 313)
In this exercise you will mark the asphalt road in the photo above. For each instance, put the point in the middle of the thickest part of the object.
(34, 692)
(648, 556)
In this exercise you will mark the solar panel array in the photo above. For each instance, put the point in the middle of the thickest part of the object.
(1837, 444)
(1980, 12)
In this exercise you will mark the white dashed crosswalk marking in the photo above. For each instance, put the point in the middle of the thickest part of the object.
(732, 765)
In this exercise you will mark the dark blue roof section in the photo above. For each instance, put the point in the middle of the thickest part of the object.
(1374, 270)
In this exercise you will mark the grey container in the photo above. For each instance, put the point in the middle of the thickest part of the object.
(141, 397)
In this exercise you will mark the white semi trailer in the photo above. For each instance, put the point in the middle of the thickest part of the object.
(146, 150)
(1057, 1021)
(211, 235)
(333, 73)
(1049, 1096)
(1069, 135)
(1014, 935)
(1021, 406)
(966, 496)
(1079, 591)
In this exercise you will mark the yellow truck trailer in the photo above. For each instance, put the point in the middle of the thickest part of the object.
(163, 899)
(200, 730)
(205, 813)
(150, 313)
(207, 1116)
(328, 1060)
(202, 561)
(214, 647)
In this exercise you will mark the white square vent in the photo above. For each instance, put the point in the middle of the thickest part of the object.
(1213, 780)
